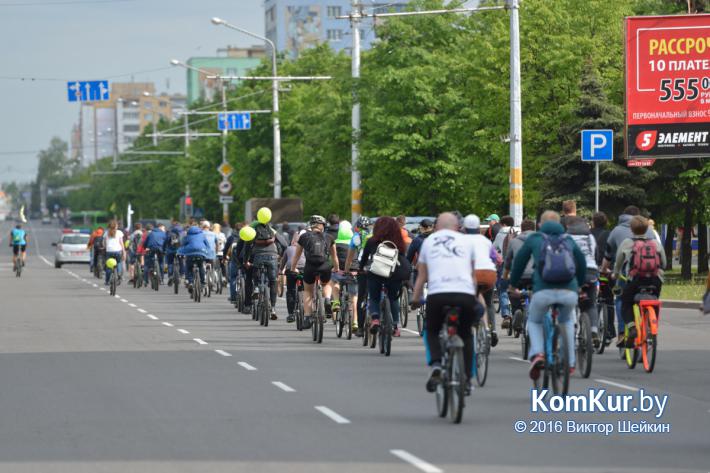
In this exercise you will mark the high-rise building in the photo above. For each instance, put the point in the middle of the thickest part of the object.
(230, 61)
(294, 25)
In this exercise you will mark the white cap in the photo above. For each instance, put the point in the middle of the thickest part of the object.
(472, 221)
(206, 224)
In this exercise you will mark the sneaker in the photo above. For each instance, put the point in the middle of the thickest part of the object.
(631, 337)
(374, 326)
(360, 332)
(468, 388)
(307, 321)
(328, 308)
(274, 316)
(537, 364)
(434, 378)
(290, 319)
(247, 309)
(505, 323)
(494, 338)
(335, 306)
(596, 341)
(396, 332)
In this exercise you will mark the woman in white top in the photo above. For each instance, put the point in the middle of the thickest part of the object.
(114, 248)
(221, 240)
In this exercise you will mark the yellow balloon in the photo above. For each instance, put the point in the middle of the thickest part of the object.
(111, 263)
(247, 233)
(264, 215)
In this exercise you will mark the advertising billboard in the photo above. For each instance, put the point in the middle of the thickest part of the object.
(668, 86)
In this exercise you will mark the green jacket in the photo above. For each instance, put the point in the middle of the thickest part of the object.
(532, 247)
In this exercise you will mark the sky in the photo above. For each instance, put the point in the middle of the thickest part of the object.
(63, 40)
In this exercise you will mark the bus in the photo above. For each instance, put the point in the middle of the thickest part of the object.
(88, 219)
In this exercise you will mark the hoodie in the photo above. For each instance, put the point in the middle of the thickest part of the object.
(195, 243)
(620, 233)
(580, 232)
(531, 248)
(156, 240)
(513, 249)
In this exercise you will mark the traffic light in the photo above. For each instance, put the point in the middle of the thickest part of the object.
(188, 206)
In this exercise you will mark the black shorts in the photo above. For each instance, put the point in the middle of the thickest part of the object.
(310, 273)
(17, 248)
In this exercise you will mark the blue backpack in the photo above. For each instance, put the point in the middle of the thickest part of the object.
(556, 260)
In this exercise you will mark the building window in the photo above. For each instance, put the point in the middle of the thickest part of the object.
(130, 115)
(270, 14)
(335, 35)
(130, 128)
(334, 11)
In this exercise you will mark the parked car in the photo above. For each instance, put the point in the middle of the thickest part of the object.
(46, 220)
(71, 248)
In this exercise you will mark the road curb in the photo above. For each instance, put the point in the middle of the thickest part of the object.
(674, 304)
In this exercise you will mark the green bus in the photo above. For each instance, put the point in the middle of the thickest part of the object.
(88, 219)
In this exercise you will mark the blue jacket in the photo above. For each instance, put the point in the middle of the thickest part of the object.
(194, 244)
(174, 230)
(155, 240)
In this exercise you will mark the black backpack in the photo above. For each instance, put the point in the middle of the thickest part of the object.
(99, 243)
(174, 240)
(316, 249)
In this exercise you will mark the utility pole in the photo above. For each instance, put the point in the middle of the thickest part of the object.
(225, 206)
(356, 192)
(96, 135)
(516, 138)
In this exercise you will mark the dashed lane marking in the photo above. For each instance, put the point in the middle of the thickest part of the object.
(416, 462)
(168, 324)
(334, 416)
(283, 387)
(246, 366)
(131, 304)
(200, 341)
(223, 353)
(183, 331)
(151, 316)
(618, 385)
(142, 311)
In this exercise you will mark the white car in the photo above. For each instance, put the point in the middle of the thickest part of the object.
(71, 248)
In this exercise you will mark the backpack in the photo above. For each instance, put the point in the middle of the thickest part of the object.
(316, 249)
(556, 260)
(506, 242)
(384, 260)
(100, 243)
(645, 261)
(174, 240)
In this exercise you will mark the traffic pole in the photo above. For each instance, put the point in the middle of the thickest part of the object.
(596, 188)
(356, 191)
(225, 206)
(516, 148)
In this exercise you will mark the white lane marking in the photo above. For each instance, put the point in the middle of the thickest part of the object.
(416, 461)
(151, 316)
(131, 304)
(183, 331)
(94, 284)
(283, 387)
(119, 297)
(168, 324)
(102, 288)
(46, 261)
(223, 353)
(200, 341)
(618, 385)
(517, 359)
(246, 366)
(411, 331)
(142, 311)
(334, 416)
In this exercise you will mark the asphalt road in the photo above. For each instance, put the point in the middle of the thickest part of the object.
(154, 382)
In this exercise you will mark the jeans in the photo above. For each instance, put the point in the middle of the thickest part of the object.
(232, 276)
(539, 306)
(374, 290)
(117, 257)
(269, 262)
(190, 261)
(148, 264)
(617, 307)
(502, 286)
(170, 259)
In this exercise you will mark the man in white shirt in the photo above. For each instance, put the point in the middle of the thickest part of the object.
(447, 265)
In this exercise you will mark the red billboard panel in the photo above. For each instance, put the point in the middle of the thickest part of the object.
(668, 86)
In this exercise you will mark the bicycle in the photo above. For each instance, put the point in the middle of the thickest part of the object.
(344, 318)
(263, 305)
(647, 309)
(421, 313)
(520, 322)
(154, 272)
(298, 307)
(197, 289)
(404, 305)
(18, 267)
(319, 316)
(605, 339)
(451, 390)
(99, 267)
(386, 324)
(175, 276)
(481, 352)
(556, 372)
(112, 282)
(239, 301)
(583, 334)
(137, 274)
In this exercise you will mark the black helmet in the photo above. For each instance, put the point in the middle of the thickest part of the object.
(363, 222)
(316, 219)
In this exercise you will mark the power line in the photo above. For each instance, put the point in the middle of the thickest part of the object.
(63, 2)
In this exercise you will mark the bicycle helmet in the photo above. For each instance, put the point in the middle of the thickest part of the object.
(316, 219)
(363, 222)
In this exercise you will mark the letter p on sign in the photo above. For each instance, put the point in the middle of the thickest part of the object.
(597, 145)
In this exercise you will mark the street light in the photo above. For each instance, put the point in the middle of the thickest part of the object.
(275, 93)
(152, 116)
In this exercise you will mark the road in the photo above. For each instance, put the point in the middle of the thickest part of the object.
(154, 382)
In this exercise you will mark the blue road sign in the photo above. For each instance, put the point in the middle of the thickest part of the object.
(234, 121)
(88, 91)
(597, 145)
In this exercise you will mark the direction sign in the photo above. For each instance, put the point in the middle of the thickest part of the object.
(226, 199)
(225, 169)
(597, 145)
(88, 91)
(225, 187)
(640, 163)
(234, 121)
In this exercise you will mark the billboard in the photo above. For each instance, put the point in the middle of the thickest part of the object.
(668, 86)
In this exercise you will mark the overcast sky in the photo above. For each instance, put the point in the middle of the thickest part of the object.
(96, 39)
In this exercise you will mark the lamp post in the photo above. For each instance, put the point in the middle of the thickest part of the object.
(275, 106)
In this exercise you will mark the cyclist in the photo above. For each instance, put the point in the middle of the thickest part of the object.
(342, 246)
(232, 258)
(485, 266)
(221, 241)
(18, 242)
(401, 221)
(386, 230)
(357, 244)
(447, 265)
(599, 222)
(97, 246)
(426, 226)
(527, 228)
(500, 243)
(195, 246)
(263, 252)
(134, 241)
(285, 268)
(172, 245)
(640, 260)
(560, 269)
(493, 226)
(155, 247)
(114, 249)
(316, 245)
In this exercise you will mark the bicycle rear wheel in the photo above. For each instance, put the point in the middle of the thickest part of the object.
(366, 333)
(404, 307)
(176, 276)
(420, 321)
(340, 318)
(112, 283)
(559, 371)
(456, 384)
(603, 337)
(482, 351)
(299, 310)
(650, 341)
(442, 392)
(584, 345)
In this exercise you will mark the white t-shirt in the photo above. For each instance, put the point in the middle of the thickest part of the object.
(449, 257)
(482, 252)
(115, 244)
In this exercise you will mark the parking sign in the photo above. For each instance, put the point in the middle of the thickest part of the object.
(597, 145)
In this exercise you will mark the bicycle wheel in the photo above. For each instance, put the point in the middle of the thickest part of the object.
(496, 300)
(320, 317)
(603, 336)
(649, 344)
(348, 320)
(386, 326)
(457, 385)
(340, 320)
(176, 276)
(404, 307)
(420, 321)
(442, 392)
(299, 310)
(584, 345)
(267, 305)
(482, 351)
(112, 283)
(559, 371)
(366, 333)
(524, 338)
(18, 268)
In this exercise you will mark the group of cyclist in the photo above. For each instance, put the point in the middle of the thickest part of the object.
(453, 261)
